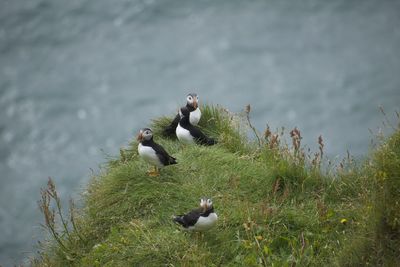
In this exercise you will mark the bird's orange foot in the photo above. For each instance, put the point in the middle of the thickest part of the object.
(153, 173)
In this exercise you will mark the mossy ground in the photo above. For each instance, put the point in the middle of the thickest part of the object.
(276, 207)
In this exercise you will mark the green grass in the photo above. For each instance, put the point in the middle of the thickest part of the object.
(276, 206)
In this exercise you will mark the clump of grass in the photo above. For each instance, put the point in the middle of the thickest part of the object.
(63, 230)
(276, 205)
(377, 241)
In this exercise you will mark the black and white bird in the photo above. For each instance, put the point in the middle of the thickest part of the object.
(192, 104)
(201, 219)
(190, 134)
(152, 152)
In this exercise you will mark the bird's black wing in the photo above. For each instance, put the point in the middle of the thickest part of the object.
(200, 137)
(163, 155)
(170, 129)
(189, 219)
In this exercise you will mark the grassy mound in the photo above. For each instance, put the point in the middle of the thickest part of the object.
(276, 206)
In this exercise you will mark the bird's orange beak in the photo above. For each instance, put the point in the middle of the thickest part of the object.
(195, 104)
(204, 207)
(140, 136)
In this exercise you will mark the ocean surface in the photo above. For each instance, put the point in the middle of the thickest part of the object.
(78, 78)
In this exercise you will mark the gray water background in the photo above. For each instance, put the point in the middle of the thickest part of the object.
(78, 78)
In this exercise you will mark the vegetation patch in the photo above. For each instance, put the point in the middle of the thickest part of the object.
(277, 205)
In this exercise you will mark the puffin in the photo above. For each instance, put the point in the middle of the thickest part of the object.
(192, 103)
(152, 152)
(190, 134)
(200, 219)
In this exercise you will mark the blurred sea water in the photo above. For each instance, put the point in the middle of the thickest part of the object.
(78, 78)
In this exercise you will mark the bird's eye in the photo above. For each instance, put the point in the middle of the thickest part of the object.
(190, 98)
(197, 98)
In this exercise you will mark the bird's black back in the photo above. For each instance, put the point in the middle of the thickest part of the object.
(169, 131)
(190, 218)
(163, 155)
(197, 134)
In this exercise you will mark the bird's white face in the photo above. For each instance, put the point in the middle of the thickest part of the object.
(205, 203)
(209, 203)
(145, 134)
(202, 202)
(193, 100)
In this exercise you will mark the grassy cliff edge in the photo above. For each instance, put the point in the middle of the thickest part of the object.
(276, 205)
